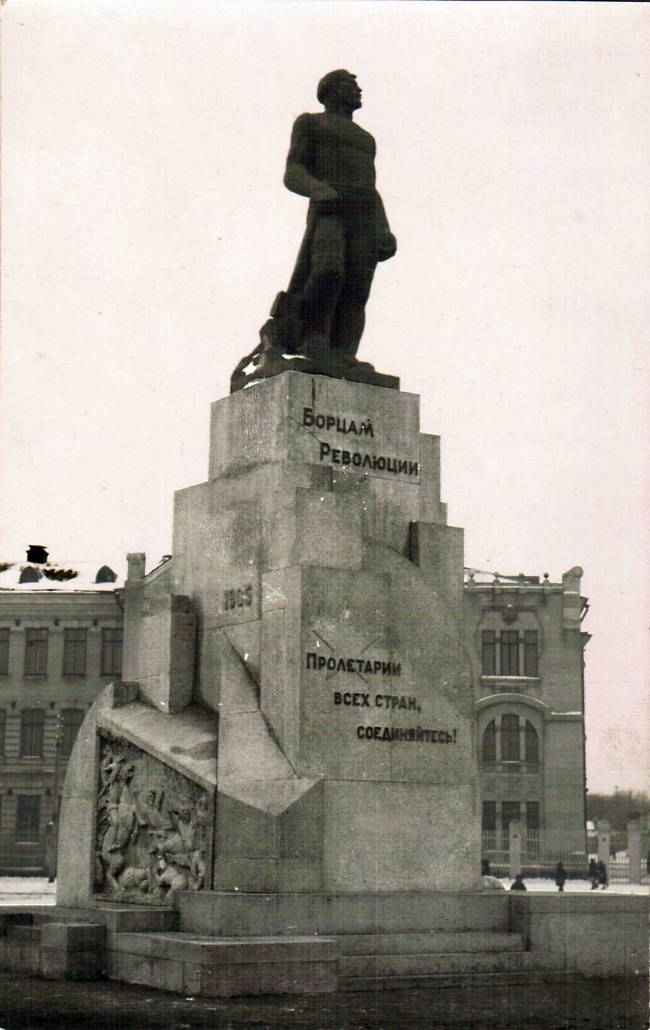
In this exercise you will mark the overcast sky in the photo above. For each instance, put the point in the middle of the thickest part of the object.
(146, 232)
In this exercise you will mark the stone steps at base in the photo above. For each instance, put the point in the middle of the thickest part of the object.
(433, 942)
(197, 948)
(224, 967)
(430, 964)
(22, 934)
(434, 981)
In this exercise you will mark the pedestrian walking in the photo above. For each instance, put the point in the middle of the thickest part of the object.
(603, 880)
(593, 873)
(560, 876)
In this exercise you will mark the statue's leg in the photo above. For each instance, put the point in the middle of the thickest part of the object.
(326, 269)
(349, 318)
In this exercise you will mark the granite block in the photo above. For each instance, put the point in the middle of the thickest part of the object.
(162, 973)
(430, 964)
(230, 914)
(73, 936)
(589, 935)
(63, 964)
(271, 978)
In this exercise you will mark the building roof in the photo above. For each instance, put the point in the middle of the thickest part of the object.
(482, 578)
(57, 577)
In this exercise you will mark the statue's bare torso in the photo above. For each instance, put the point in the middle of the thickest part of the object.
(336, 151)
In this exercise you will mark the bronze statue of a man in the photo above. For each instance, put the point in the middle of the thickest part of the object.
(321, 316)
(332, 161)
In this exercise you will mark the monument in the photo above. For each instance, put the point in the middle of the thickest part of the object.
(316, 326)
(281, 793)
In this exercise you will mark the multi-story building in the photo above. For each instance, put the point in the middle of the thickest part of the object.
(60, 643)
(526, 649)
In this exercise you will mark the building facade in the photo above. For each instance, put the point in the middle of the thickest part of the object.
(526, 649)
(60, 644)
(61, 631)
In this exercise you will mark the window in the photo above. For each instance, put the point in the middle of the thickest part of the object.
(4, 651)
(532, 817)
(35, 652)
(532, 829)
(510, 813)
(488, 652)
(3, 727)
(32, 724)
(29, 575)
(28, 817)
(532, 744)
(72, 720)
(111, 663)
(503, 741)
(74, 652)
(489, 749)
(105, 575)
(489, 818)
(510, 738)
(509, 652)
(530, 652)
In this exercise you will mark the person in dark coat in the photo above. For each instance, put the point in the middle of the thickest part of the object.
(603, 880)
(593, 873)
(560, 876)
(518, 883)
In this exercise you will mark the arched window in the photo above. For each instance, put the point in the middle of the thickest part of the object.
(489, 749)
(510, 738)
(105, 575)
(532, 744)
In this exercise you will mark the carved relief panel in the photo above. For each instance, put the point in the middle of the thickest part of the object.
(154, 827)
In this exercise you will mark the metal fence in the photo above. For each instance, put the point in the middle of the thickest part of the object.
(619, 862)
(540, 855)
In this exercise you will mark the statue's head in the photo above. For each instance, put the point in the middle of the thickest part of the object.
(339, 89)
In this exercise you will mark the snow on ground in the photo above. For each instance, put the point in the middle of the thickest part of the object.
(27, 890)
(35, 890)
(577, 886)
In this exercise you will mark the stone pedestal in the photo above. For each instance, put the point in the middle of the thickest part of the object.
(295, 673)
(329, 594)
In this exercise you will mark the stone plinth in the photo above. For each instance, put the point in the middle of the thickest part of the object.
(294, 675)
(328, 589)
